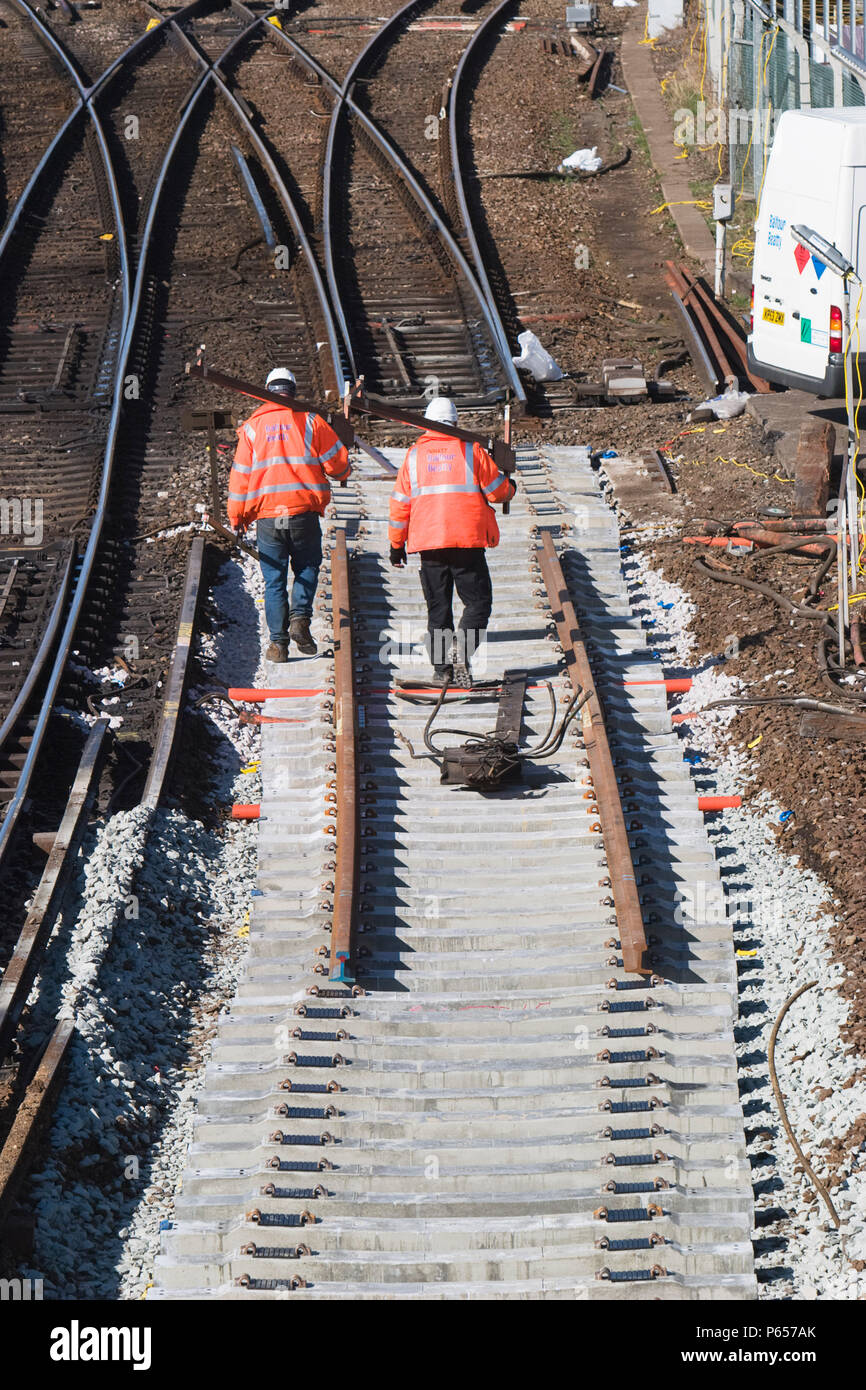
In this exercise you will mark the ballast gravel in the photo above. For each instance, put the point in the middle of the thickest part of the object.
(147, 953)
(781, 914)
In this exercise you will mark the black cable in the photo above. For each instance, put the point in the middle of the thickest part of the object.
(765, 590)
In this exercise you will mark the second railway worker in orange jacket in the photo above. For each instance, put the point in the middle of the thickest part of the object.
(441, 508)
(280, 481)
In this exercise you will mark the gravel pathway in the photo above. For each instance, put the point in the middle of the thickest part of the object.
(782, 917)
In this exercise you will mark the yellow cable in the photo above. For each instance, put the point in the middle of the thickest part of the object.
(720, 458)
(852, 598)
(683, 203)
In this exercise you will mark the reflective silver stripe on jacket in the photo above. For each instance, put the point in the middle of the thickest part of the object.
(273, 488)
(497, 481)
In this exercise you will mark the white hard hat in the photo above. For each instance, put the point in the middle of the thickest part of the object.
(441, 409)
(280, 376)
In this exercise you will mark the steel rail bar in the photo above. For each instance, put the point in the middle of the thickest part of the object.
(700, 357)
(87, 94)
(20, 1142)
(88, 560)
(25, 959)
(278, 184)
(176, 681)
(371, 46)
(347, 873)
(343, 98)
(696, 319)
(42, 651)
(454, 99)
(605, 790)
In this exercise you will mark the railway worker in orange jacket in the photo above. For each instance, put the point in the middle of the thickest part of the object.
(279, 480)
(441, 509)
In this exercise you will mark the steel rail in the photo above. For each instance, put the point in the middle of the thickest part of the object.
(347, 873)
(344, 100)
(87, 95)
(42, 651)
(18, 1149)
(453, 111)
(605, 790)
(176, 681)
(278, 184)
(729, 329)
(88, 560)
(24, 962)
(341, 91)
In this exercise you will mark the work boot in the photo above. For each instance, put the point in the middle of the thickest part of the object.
(277, 651)
(299, 633)
(442, 675)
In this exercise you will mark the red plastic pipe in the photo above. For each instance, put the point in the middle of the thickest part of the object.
(718, 803)
(677, 686)
(250, 810)
(255, 697)
(722, 541)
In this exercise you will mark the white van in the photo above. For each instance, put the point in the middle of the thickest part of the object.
(816, 175)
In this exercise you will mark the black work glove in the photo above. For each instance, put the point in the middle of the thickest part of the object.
(398, 556)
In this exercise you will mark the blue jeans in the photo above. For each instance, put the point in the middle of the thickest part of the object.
(284, 541)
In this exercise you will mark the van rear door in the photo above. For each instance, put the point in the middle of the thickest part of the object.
(795, 293)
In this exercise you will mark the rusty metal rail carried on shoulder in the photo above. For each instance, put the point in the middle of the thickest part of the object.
(605, 789)
(501, 452)
(347, 873)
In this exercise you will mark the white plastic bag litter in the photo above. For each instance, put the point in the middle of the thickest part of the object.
(727, 406)
(623, 4)
(587, 161)
(536, 359)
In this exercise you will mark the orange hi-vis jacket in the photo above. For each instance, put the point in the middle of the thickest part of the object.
(442, 496)
(281, 463)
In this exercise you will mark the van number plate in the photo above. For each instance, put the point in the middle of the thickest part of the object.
(774, 316)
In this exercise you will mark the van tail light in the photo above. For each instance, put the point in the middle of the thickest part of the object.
(835, 328)
(752, 311)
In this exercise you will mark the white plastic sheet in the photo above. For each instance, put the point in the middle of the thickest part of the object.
(536, 359)
(587, 161)
(728, 406)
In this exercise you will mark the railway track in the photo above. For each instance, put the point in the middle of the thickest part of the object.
(123, 593)
(88, 583)
(385, 979)
(482, 1100)
(416, 321)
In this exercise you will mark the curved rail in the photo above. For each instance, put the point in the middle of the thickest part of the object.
(87, 95)
(454, 97)
(343, 99)
(89, 557)
(278, 184)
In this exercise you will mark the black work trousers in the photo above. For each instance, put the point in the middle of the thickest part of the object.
(441, 572)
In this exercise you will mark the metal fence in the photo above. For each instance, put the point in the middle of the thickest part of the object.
(786, 55)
